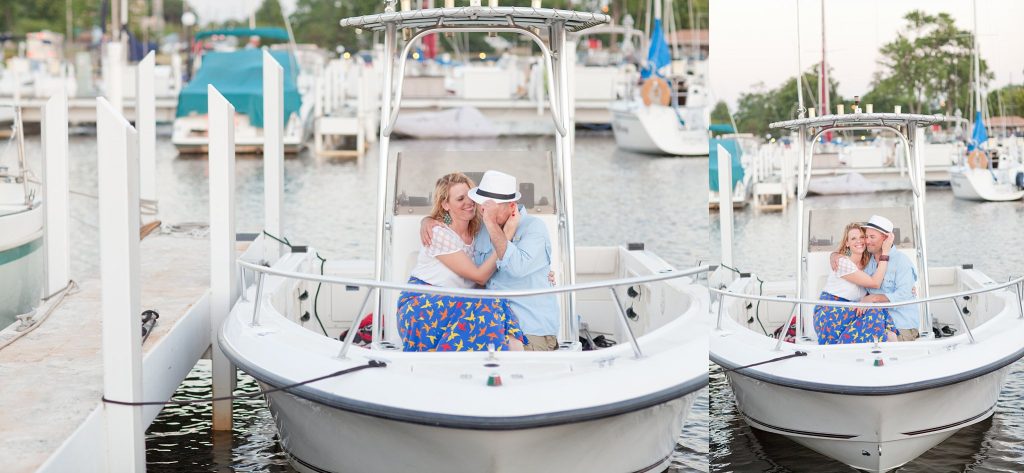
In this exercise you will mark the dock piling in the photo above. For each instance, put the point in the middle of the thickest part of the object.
(273, 152)
(145, 122)
(118, 169)
(223, 280)
(56, 198)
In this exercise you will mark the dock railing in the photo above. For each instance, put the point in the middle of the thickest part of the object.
(261, 272)
(1017, 284)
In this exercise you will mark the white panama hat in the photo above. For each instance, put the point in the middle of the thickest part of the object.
(880, 223)
(496, 186)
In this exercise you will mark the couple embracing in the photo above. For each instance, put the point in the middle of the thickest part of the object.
(865, 269)
(479, 236)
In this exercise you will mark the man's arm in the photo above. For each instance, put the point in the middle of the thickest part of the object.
(528, 255)
(905, 277)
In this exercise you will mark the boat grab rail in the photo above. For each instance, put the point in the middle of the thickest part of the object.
(1018, 285)
(261, 271)
(556, 116)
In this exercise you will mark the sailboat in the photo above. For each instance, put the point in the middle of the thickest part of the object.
(669, 113)
(21, 238)
(618, 408)
(979, 175)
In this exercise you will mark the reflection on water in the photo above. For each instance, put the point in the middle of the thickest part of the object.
(958, 231)
(329, 204)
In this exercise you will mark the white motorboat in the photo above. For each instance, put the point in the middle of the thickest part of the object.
(21, 241)
(872, 406)
(618, 408)
(239, 76)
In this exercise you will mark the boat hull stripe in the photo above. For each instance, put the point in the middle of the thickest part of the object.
(802, 432)
(954, 424)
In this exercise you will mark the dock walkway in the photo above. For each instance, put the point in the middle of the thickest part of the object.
(50, 408)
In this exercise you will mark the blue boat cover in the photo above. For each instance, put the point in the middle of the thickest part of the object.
(238, 76)
(733, 147)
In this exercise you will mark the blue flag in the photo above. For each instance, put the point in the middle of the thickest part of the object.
(978, 135)
(658, 55)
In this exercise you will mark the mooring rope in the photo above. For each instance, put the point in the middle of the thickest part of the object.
(371, 364)
(792, 355)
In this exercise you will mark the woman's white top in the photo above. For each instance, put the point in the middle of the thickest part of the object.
(431, 270)
(837, 286)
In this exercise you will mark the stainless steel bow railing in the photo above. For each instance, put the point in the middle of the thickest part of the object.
(1018, 286)
(375, 285)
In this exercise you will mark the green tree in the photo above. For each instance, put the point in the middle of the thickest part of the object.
(269, 14)
(760, 107)
(720, 114)
(928, 67)
(1007, 101)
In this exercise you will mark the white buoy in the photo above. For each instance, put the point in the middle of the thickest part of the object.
(273, 151)
(223, 279)
(118, 170)
(56, 196)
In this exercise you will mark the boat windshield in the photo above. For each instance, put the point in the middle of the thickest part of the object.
(418, 172)
(825, 226)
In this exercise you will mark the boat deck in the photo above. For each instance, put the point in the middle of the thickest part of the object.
(53, 376)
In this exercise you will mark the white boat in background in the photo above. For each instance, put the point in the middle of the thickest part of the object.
(462, 122)
(617, 408)
(874, 406)
(21, 238)
(669, 114)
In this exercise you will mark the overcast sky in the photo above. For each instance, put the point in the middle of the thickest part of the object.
(755, 40)
(220, 10)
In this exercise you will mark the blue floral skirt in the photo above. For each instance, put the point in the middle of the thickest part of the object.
(836, 325)
(435, 322)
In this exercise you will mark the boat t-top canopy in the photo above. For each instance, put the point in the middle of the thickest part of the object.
(266, 32)
(861, 120)
(481, 16)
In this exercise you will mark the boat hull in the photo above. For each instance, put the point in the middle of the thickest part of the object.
(656, 130)
(873, 433)
(21, 262)
(321, 438)
(977, 184)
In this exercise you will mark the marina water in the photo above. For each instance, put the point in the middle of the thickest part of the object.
(620, 197)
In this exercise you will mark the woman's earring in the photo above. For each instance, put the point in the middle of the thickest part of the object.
(447, 218)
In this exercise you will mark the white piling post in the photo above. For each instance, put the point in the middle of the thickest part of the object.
(223, 287)
(273, 151)
(145, 122)
(119, 272)
(56, 194)
(725, 203)
(112, 71)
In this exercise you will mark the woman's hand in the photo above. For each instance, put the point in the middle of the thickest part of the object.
(512, 224)
(427, 230)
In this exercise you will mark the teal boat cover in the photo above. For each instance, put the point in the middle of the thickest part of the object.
(733, 147)
(268, 33)
(238, 76)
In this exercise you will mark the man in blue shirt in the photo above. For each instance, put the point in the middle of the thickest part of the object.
(898, 284)
(523, 263)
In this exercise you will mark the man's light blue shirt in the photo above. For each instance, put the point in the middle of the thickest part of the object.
(898, 286)
(525, 266)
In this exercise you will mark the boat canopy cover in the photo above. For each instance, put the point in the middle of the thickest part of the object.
(733, 147)
(268, 33)
(238, 76)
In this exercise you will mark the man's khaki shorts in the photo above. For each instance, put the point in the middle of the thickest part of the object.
(908, 334)
(541, 343)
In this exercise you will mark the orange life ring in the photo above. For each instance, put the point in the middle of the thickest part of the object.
(655, 90)
(977, 160)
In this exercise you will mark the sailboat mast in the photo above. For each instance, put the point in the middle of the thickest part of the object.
(823, 72)
(977, 62)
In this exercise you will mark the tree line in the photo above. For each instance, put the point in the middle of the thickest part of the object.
(927, 69)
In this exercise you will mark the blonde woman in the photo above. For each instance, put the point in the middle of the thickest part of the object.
(432, 322)
(848, 283)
